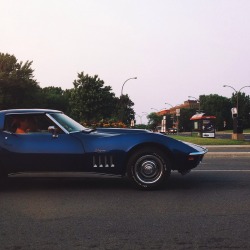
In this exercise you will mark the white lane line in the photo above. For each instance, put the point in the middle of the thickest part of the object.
(227, 146)
(224, 170)
(228, 153)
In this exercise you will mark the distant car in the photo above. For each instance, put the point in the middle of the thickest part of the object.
(171, 131)
(57, 143)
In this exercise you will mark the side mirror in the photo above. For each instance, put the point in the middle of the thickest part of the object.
(53, 131)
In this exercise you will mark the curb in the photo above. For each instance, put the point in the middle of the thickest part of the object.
(227, 146)
(227, 154)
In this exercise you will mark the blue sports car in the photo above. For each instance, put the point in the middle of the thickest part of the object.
(38, 140)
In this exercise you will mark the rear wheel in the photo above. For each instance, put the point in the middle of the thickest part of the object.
(148, 168)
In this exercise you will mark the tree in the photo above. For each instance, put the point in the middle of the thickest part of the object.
(184, 119)
(18, 88)
(154, 120)
(90, 100)
(244, 108)
(125, 112)
(218, 106)
(55, 98)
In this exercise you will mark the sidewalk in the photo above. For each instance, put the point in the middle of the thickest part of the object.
(229, 151)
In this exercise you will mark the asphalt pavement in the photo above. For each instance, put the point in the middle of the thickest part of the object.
(206, 209)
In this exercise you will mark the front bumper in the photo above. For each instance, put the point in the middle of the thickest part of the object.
(195, 158)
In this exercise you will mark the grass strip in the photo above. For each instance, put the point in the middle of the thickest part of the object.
(209, 141)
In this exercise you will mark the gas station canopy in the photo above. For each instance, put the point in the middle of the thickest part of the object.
(201, 116)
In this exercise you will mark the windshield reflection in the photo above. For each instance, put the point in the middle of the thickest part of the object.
(67, 123)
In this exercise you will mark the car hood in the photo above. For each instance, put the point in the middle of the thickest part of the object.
(195, 146)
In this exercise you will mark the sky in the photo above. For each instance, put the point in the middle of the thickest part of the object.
(175, 48)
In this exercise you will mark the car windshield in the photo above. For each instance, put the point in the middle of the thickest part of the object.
(67, 123)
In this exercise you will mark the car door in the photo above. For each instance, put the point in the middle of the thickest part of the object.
(42, 152)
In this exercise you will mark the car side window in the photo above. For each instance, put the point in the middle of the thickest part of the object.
(10, 124)
(28, 123)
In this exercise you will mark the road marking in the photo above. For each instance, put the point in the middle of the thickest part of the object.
(227, 146)
(228, 153)
(224, 170)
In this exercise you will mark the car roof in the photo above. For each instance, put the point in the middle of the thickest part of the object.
(23, 111)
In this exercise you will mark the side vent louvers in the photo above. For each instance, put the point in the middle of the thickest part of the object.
(101, 161)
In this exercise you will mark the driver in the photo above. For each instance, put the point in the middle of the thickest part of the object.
(25, 124)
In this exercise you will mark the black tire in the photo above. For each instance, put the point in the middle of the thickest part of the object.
(148, 168)
(3, 179)
(3, 174)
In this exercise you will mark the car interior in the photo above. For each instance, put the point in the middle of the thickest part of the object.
(38, 123)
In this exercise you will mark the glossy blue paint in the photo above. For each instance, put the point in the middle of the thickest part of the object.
(76, 148)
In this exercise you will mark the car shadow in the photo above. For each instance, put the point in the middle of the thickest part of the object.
(176, 182)
(202, 180)
(51, 182)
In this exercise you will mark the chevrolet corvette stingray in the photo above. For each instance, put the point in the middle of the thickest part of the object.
(56, 143)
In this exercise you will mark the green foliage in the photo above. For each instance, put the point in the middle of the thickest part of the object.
(124, 111)
(244, 108)
(104, 124)
(55, 98)
(209, 141)
(218, 106)
(90, 100)
(18, 89)
(184, 119)
(154, 120)
(141, 126)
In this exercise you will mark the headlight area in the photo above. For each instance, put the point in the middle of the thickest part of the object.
(191, 161)
(196, 157)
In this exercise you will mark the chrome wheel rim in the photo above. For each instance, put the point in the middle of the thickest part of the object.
(148, 169)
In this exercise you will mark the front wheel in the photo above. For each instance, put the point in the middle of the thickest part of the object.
(148, 168)
(3, 178)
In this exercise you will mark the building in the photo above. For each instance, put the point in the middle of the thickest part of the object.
(189, 104)
(175, 113)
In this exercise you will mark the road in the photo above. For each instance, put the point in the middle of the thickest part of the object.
(206, 209)
(221, 135)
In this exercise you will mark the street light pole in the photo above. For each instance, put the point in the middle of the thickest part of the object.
(198, 102)
(169, 104)
(237, 95)
(237, 131)
(125, 82)
(155, 109)
(140, 117)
